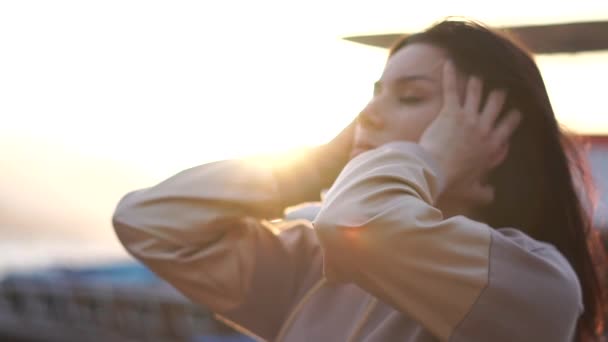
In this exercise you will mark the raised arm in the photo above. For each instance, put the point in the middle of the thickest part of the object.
(203, 231)
(461, 279)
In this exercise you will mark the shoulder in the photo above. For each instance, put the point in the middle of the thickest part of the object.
(531, 289)
(532, 293)
(515, 250)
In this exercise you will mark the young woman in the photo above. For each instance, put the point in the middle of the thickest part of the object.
(459, 215)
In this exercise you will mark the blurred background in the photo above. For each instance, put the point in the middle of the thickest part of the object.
(98, 98)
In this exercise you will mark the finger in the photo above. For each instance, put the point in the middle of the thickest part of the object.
(506, 127)
(499, 156)
(492, 109)
(450, 85)
(472, 97)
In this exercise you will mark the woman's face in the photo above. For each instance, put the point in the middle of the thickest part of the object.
(407, 98)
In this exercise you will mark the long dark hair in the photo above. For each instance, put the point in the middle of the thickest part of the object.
(538, 187)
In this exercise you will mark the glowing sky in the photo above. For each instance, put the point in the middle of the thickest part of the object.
(161, 85)
(97, 97)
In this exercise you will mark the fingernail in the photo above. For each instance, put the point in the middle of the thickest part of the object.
(518, 117)
(478, 81)
(449, 65)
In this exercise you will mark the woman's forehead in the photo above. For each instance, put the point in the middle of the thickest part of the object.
(415, 60)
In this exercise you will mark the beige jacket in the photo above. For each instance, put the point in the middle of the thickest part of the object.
(379, 262)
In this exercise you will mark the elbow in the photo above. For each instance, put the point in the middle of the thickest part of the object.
(125, 220)
(123, 212)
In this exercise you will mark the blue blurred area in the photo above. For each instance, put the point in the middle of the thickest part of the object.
(126, 273)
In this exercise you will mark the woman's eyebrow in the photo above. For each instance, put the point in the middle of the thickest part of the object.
(406, 79)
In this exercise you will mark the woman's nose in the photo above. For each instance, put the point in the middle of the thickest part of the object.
(370, 116)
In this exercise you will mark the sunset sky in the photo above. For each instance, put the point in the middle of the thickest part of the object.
(100, 97)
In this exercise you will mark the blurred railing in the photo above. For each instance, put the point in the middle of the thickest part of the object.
(51, 309)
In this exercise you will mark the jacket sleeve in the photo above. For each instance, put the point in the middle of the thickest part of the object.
(459, 278)
(203, 230)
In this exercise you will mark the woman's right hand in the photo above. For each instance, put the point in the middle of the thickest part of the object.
(468, 141)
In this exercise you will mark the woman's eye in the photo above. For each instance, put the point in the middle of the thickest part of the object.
(409, 99)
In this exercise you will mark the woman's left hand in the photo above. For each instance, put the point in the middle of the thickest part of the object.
(467, 141)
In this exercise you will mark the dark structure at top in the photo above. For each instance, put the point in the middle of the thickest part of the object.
(541, 39)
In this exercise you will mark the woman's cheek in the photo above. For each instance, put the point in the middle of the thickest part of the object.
(420, 120)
